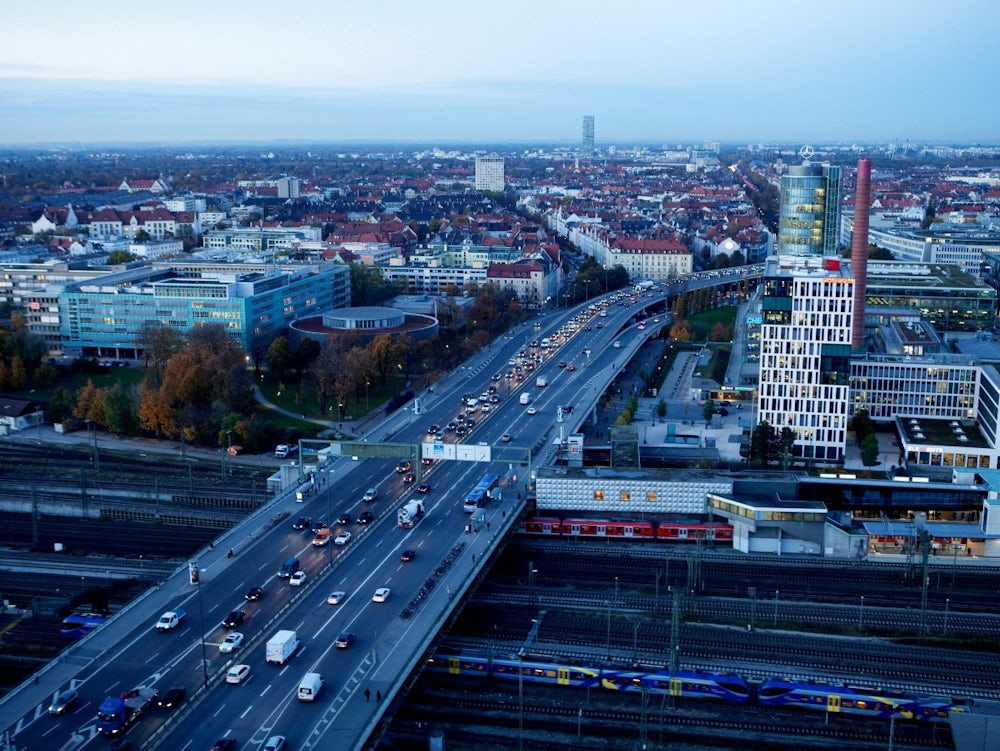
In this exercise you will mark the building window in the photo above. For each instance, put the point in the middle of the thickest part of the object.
(651, 496)
(625, 496)
(598, 495)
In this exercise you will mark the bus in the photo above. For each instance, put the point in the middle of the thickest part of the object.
(79, 624)
(478, 495)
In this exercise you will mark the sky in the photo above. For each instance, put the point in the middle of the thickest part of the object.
(445, 71)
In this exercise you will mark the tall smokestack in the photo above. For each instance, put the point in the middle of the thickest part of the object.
(859, 251)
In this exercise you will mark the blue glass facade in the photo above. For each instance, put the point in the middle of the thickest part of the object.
(810, 211)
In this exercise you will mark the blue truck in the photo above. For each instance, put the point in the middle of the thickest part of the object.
(118, 713)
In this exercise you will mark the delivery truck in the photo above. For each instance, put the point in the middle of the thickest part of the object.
(281, 647)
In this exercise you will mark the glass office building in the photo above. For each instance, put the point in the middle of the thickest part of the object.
(810, 210)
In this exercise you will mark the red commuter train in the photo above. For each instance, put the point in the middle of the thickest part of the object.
(626, 529)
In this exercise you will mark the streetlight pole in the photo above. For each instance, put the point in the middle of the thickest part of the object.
(947, 602)
(520, 700)
(201, 618)
(609, 631)
(775, 607)
(861, 613)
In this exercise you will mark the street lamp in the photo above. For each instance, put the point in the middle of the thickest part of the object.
(861, 613)
(775, 607)
(520, 700)
(947, 602)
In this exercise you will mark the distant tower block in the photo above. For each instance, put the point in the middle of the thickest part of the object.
(859, 251)
(588, 134)
(490, 173)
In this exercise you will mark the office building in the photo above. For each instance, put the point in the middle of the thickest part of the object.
(489, 173)
(588, 135)
(805, 353)
(809, 216)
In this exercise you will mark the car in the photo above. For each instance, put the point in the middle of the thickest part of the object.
(322, 538)
(254, 593)
(297, 579)
(372, 493)
(345, 640)
(423, 488)
(171, 697)
(336, 598)
(505, 438)
(301, 523)
(409, 478)
(567, 409)
(407, 555)
(366, 517)
(426, 462)
(237, 674)
(321, 525)
(562, 365)
(344, 518)
(64, 702)
(403, 465)
(234, 619)
(342, 539)
(571, 367)
(275, 743)
(497, 376)
(231, 643)
(226, 744)
(491, 390)
(494, 399)
(532, 410)
(381, 594)
(433, 429)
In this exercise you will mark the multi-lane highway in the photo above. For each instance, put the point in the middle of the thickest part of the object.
(361, 679)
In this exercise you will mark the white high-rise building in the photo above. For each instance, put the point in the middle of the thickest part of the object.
(489, 173)
(805, 353)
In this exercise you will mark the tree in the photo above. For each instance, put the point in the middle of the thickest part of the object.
(707, 410)
(142, 236)
(869, 450)
(117, 257)
(279, 357)
(121, 406)
(721, 333)
(158, 344)
(679, 330)
(661, 409)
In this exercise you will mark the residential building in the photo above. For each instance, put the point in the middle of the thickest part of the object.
(490, 173)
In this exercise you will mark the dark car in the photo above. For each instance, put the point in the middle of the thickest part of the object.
(403, 466)
(423, 488)
(407, 555)
(366, 517)
(409, 478)
(226, 744)
(344, 519)
(171, 698)
(234, 619)
(302, 522)
(64, 702)
(254, 593)
(345, 640)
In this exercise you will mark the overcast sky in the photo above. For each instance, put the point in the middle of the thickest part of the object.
(439, 71)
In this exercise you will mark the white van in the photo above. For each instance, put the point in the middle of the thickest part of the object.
(310, 686)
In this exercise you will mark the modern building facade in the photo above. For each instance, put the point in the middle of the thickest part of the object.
(103, 317)
(489, 173)
(809, 217)
(805, 353)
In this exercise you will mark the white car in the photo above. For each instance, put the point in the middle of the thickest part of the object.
(231, 643)
(237, 674)
(275, 743)
(342, 539)
(372, 493)
(381, 594)
(297, 579)
(532, 411)
(335, 599)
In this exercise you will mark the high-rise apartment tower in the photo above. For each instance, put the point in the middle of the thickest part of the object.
(489, 173)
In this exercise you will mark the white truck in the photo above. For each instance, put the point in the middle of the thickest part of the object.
(280, 647)
(541, 382)
(170, 620)
(410, 514)
(525, 398)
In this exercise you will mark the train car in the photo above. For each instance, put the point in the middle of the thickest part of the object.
(931, 709)
(828, 697)
(541, 526)
(79, 624)
(691, 531)
(692, 684)
(627, 530)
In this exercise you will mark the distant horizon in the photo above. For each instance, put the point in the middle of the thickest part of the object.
(525, 73)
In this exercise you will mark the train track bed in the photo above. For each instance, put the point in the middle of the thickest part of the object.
(474, 716)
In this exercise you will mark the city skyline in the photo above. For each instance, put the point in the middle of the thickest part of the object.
(865, 72)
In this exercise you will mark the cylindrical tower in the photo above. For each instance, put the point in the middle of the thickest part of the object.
(859, 251)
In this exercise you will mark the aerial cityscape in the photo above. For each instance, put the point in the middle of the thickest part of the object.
(577, 381)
